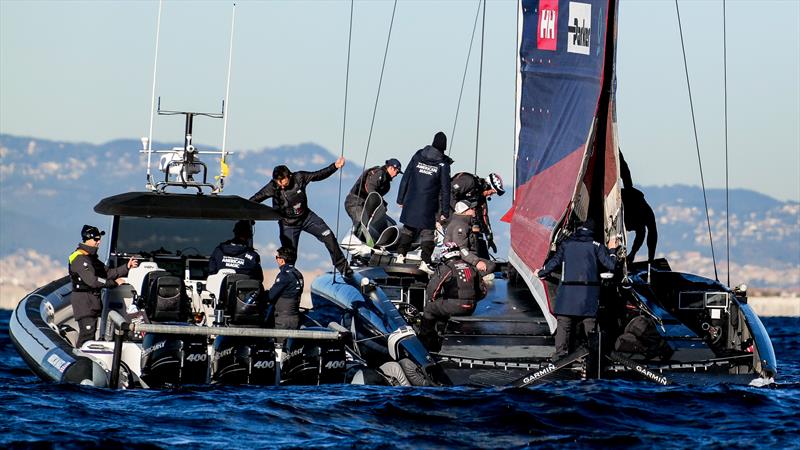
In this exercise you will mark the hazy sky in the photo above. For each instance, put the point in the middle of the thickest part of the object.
(82, 71)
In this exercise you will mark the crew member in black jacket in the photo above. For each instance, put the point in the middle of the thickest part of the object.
(453, 290)
(473, 189)
(578, 295)
(375, 179)
(286, 291)
(88, 276)
(424, 195)
(237, 254)
(287, 190)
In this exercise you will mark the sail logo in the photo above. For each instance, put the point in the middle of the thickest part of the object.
(548, 19)
(580, 28)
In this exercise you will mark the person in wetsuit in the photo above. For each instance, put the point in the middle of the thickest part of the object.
(89, 276)
(460, 230)
(287, 190)
(453, 290)
(478, 191)
(639, 216)
(237, 253)
(424, 195)
(375, 179)
(286, 291)
(578, 295)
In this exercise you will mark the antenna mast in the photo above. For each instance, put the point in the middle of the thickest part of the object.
(223, 167)
(148, 146)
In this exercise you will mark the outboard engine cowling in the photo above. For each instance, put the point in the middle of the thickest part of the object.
(241, 296)
(310, 362)
(165, 297)
(174, 359)
(239, 360)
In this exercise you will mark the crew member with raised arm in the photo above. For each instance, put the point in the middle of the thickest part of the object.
(287, 190)
(375, 179)
(88, 276)
(473, 189)
(578, 295)
(424, 195)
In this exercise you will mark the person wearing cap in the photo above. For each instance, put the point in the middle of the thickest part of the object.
(578, 295)
(470, 187)
(286, 291)
(88, 276)
(237, 253)
(454, 288)
(375, 179)
(460, 231)
(424, 195)
(287, 190)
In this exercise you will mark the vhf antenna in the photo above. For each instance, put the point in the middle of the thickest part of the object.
(148, 146)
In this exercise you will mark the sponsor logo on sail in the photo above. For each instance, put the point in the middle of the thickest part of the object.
(580, 28)
(548, 22)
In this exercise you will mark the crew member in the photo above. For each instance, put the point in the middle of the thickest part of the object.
(639, 216)
(238, 253)
(461, 232)
(424, 195)
(473, 189)
(287, 190)
(375, 179)
(453, 290)
(286, 291)
(89, 275)
(578, 295)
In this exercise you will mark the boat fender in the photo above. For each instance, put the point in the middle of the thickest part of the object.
(414, 373)
(394, 372)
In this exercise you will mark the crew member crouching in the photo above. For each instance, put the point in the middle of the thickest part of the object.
(462, 231)
(453, 290)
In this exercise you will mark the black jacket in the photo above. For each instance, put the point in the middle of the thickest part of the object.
(456, 279)
(374, 179)
(459, 230)
(425, 189)
(88, 276)
(236, 255)
(292, 202)
(288, 284)
(582, 257)
(469, 187)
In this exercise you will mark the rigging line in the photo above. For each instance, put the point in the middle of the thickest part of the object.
(697, 142)
(344, 122)
(727, 191)
(153, 97)
(464, 78)
(516, 93)
(480, 86)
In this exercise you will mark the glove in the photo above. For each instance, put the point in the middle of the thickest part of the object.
(490, 243)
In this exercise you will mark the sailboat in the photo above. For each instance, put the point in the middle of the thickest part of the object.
(567, 170)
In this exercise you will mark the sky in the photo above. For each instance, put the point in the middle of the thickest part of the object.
(83, 72)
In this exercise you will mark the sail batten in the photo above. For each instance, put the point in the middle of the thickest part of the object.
(566, 165)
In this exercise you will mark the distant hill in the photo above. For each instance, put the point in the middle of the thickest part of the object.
(49, 189)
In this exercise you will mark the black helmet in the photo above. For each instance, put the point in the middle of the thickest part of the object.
(90, 232)
(288, 254)
(495, 182)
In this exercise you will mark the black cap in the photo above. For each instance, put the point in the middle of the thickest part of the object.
(90, 232)
(588, 224)
(440, 141)
(393, 162)
(243, 228)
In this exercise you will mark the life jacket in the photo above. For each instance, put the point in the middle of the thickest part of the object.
(77, 283)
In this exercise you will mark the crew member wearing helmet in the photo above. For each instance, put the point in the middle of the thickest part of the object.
(375, 179)
(453, 290)
(88, 276)
(287, 190)
(460, 231)
(238, 253)
(286, 291)
(578, 295)
(473, 189)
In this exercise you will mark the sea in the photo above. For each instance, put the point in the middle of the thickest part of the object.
(592, 414)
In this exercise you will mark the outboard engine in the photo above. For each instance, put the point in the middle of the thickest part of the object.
(241, 298)
(240, 360)
(311, 362)
(170, 359)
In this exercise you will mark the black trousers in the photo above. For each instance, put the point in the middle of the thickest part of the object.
(565, 329)
(87, 328)
(313, 224)
(407, 235)
(287, 315)
(442, 310)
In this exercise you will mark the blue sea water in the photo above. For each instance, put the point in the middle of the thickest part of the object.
(597, 414)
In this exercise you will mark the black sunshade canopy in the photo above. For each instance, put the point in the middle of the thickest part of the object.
(184, 206)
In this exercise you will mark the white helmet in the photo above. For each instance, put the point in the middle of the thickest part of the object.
(495, 182)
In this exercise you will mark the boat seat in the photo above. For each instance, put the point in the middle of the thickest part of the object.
(165, 298)
(241, 298)
(137, 275)
(214, 282)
